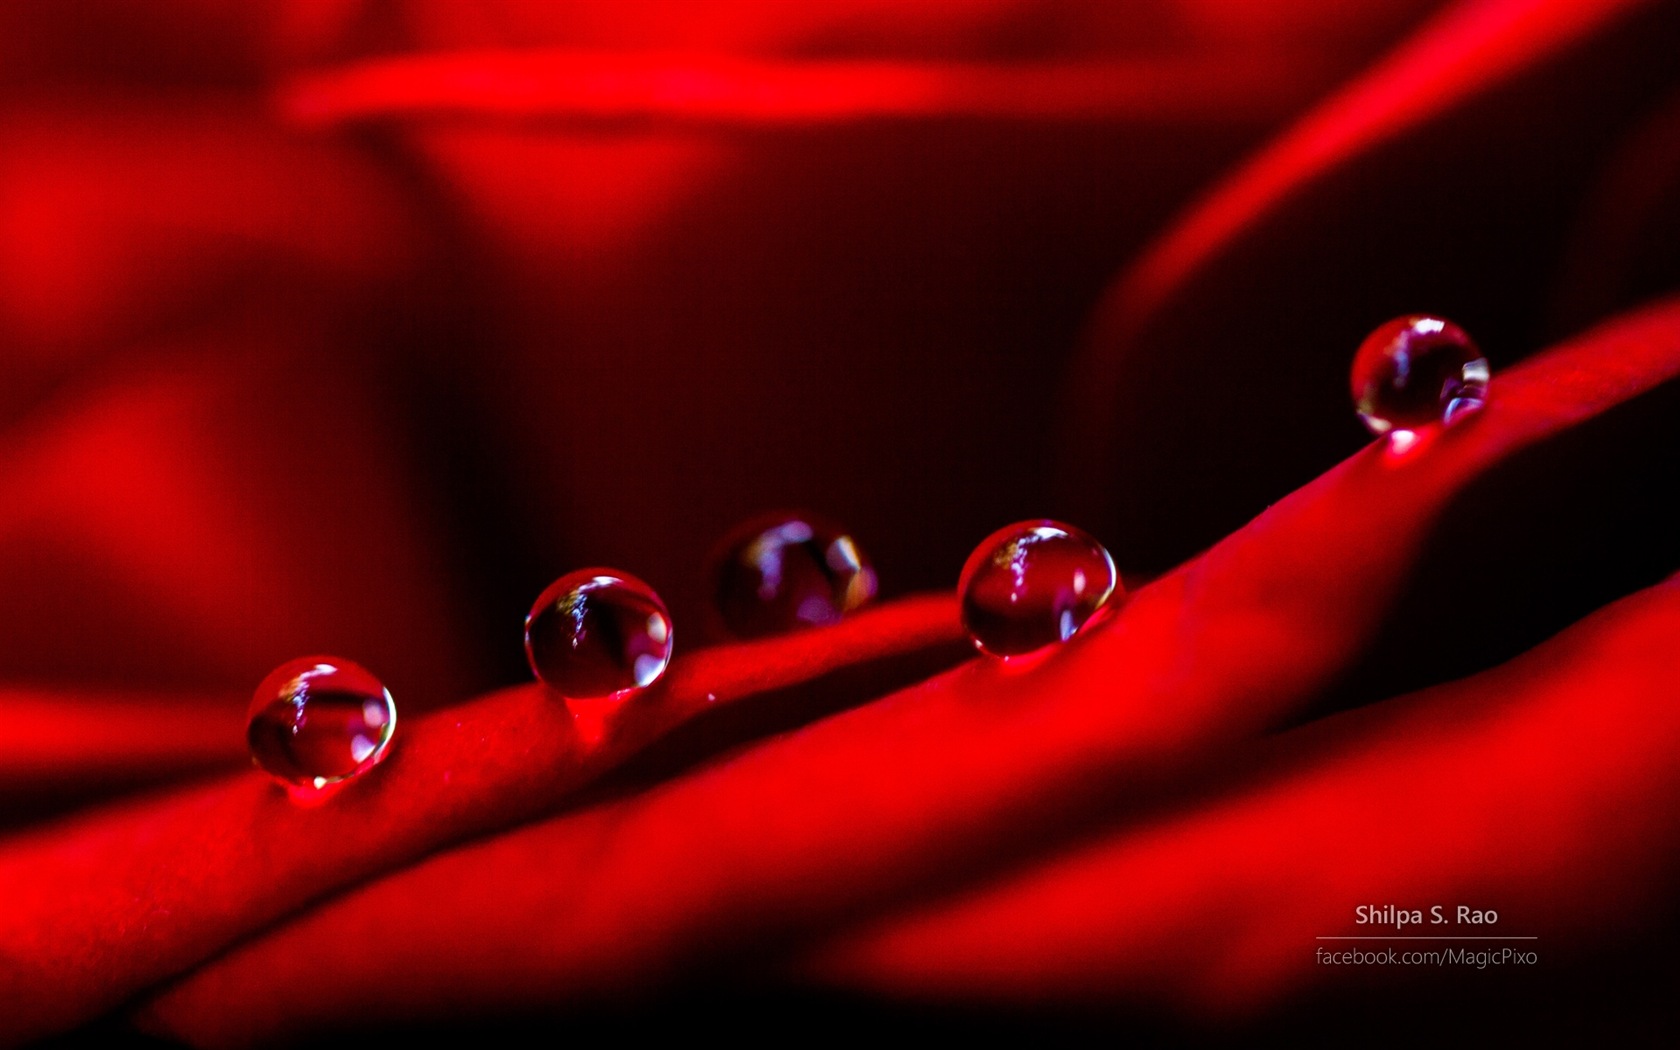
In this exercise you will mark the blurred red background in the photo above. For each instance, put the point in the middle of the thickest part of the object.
(273, 387)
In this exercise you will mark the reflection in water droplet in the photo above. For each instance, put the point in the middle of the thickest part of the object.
(1033, 584)
(784, 571)
(1417, 370)
(320, 720)
(598, 633)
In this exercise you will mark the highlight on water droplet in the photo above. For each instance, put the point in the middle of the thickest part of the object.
(1034, 584)
(598, 635)
(788, 570)
(1414, 371)
(320, 720)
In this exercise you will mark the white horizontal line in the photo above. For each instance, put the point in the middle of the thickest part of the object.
(1396, 938)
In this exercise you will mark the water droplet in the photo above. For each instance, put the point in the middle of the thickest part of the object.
(318, 720)
(598, 633)
(1417, 370)
(1033, 584)
(784, 571)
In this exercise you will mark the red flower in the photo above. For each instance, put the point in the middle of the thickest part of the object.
(345, 329)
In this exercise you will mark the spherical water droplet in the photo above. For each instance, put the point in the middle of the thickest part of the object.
(318, 720)
(1033, 584)
(1417, 370)
(784, 571)
(598, 633)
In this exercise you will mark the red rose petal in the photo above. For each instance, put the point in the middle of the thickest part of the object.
(176, 525)
(945, 778)
(551, 85)
(1251, 305)
(59, 748)
(1547, 790)
(107, 904)
(49, 734)
(121, 218)
(1466, 49)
